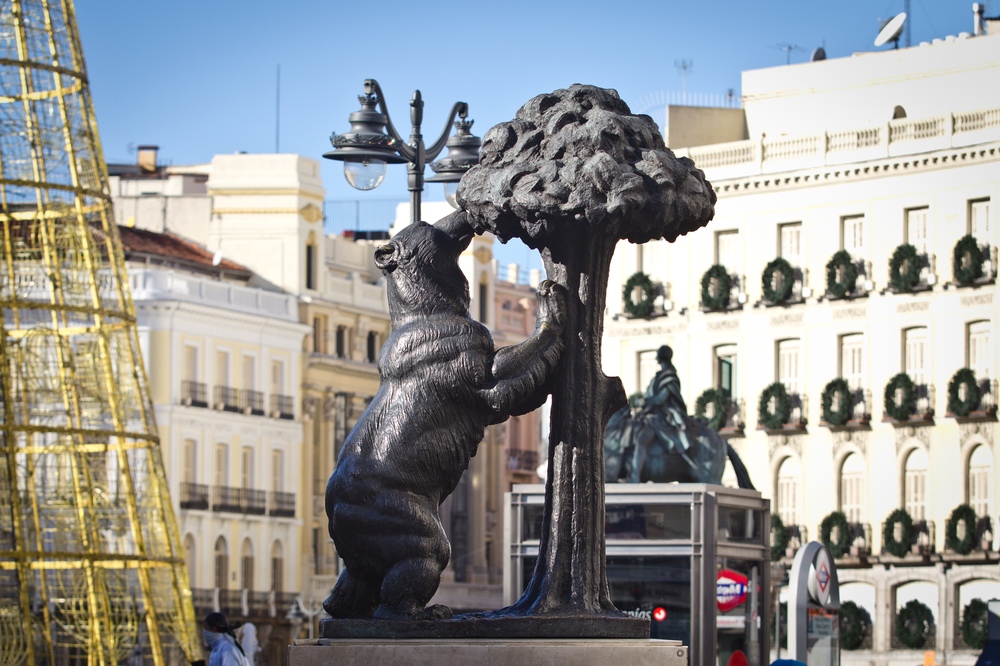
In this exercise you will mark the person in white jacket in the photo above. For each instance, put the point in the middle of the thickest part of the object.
(219, 637)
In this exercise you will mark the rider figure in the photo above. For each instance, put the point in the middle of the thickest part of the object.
(663, 403)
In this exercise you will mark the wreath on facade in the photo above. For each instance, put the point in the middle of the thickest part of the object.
(644, 307)
(901, 547)
(785, 284)
(975, 623)
(854, 624)
(965, 545)
(902, 410)
(956, 405)
(904, 268)
(842, 545)
(967, 261)
(782, 407)
(841, 415)
(913, 624)
(779, 538)
(842, 263)
(724, 284)
(720, 402)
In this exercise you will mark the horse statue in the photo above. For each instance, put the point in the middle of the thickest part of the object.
(654, 439)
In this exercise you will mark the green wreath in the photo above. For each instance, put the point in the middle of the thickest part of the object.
(956, 405)
(964, 546)
(720, 402)
(782, 407)
(967, 248)
(645, 305)
(889, 543)
(767, 279)
(975, 624)
(842, 415)
(913, 624)
(779, 538)
(842, 545)
(843, 263)
(905, 409)
(855, 622)
(724, 284)
(904, 268)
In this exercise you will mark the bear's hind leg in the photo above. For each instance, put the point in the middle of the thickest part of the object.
(407, 588)
(351, 598)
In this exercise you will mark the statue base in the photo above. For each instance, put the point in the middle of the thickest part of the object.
(490, 627)
(487, 652)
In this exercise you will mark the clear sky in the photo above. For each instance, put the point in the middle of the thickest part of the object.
(197, 78)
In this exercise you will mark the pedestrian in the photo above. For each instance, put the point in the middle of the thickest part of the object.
(221, 640)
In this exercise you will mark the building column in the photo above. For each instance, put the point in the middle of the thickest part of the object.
(883, 615)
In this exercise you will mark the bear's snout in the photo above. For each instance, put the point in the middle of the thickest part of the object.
(385, 258)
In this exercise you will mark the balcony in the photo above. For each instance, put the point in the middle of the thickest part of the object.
(254, 501)
(282, 407)
(231, 603)
(282, 504)
(253, 402)
(522, 460)
(911, 271)
(970, 399)
(241, 603)
(722, 291)
(973, 265)
(194, 496)
(227, 499)
(203, 600)
(780, 411)
(921, 544)
(722, 412)
(783, 284)
(978, 548)
(847, 277)
(227, 399)
(908, 403)
(798, 536)
(194, 394)
(837, 396)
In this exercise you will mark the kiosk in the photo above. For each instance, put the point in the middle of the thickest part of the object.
(693, 558)
(814, 607)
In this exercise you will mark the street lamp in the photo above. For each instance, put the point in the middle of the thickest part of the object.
(372, 142)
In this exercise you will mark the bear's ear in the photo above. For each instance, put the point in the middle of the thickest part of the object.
(458, 228)
(385, 257)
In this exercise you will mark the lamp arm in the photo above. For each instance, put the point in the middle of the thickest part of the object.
(460, 109)
(401, 146)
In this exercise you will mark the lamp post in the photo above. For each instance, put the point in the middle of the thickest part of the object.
(372, 142)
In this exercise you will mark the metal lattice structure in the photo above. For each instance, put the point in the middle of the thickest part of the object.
(91, 569)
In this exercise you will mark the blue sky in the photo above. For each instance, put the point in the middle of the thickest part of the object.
(198, 78)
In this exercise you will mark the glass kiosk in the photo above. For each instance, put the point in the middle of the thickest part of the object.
(693, 558)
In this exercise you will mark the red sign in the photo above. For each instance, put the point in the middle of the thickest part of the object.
(822, 577)
(730, 590)
(660, 614)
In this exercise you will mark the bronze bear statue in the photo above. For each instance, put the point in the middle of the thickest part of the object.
(442, 383)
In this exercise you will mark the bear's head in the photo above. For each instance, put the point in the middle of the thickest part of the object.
(421, 267)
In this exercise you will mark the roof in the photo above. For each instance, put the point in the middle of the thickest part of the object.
(169, 249)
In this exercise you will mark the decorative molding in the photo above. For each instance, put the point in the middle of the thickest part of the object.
(916, 306)
(842, 438)
(251, 191)
(256, 211)
(787, 319)
(622, 331)
(850, 313)
(330, 407)
(969, 430)
(724, 325)
(977, 299)
(309, 405)
(920, 433)
(775, 442)
(483, 255)
(311, 213)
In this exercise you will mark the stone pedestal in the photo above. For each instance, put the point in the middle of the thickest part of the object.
(487, 652)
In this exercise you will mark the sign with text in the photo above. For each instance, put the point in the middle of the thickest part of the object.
(730, 590)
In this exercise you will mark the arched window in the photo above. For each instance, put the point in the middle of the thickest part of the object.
(341, 341)
(311, 262)
(189, 559)
(246, 565)
(221, 563)
(852, 488)
(787, 491)
(277, 567)
(898, 112)
(980, 467)
(915, 484)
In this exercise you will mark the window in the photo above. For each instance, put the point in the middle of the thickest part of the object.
(246, 566)
(979, 220)
(372, 352)
(278, 471)
(915, 484)
(246, 467)
(249, 373)
(341, 342)
(319, 331)
(789, 370)
(311, 265)
(852, 349)
(852, 235)
(277, 377)
(915, 354)
(727, 251)
(647, 368)
(222, 464)
(725, 369)
(852, 484)
(190, 461)
(190, 363)
(977, 349)
(221, 564)
(790, 243)
(190, 559)
(916, 229)
(484, 307)
(980, 465)
(788, 491)
(277, 567)
(222, 368)
(514, 436)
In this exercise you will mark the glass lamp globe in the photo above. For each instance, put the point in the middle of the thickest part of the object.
(451, 194)
(365, 174)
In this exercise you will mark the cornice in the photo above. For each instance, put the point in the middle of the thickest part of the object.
(272, 191)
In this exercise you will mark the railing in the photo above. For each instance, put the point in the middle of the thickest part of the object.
(260, 603)
(925, 401)
(227, 398)
(798, 536)
(231, 602)
(282, 504)
(253, 402)
(923, 537)
(151, 284)
(522, 460)
(861, 539)
(282, 407)
(194, 496)
(194, 394)
(203, 600)
(254, 501)
(227, 499)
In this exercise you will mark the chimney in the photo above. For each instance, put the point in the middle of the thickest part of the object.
(977, 18)
(147, 158)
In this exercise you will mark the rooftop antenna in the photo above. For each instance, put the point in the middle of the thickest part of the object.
(683, 66)
(890, 30)
(788, 48)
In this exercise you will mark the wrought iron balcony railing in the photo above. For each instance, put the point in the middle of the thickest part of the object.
(194, 394)
(522, 460)
(254, 501)
(227, 398)
(282, 504)
(253, 402)
(194, 496)
(282, 407)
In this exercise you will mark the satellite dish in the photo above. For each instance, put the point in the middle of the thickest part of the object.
(891, 30)
(818, 53)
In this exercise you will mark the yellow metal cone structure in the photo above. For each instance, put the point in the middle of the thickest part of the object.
(91, 570)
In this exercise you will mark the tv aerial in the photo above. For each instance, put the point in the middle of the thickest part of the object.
(891, 30)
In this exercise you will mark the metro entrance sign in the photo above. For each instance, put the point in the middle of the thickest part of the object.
(814, 608)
